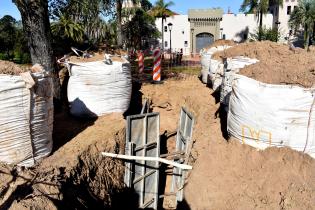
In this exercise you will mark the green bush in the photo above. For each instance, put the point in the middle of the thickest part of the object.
(265, 34)
(3, 56)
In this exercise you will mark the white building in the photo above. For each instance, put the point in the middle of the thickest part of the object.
(129, 4)
(238, 27)
(180, 33)
(282, 16)
(186, 31)
(201, 27)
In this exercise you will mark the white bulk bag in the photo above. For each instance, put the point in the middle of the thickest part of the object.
(263, 115)
(26, 119)
(205, 65)
(206, 61)
(97, 88)
(234, 64)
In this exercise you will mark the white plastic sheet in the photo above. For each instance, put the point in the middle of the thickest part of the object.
(26, 119)
(263, 115)
(97, 88)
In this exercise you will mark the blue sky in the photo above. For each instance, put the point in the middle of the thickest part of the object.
(181, 6)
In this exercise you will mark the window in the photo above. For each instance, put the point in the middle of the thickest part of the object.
(165, 28)
(224, 36)
(186, 43)
(288, 10)
(165, 44)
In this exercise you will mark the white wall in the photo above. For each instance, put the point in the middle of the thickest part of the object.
(180, 33)
(234, 26)
(283, 17)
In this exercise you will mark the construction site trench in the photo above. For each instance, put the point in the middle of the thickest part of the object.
(226, 174)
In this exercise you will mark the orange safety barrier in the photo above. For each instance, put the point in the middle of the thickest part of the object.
(141, 61)
(157, 65)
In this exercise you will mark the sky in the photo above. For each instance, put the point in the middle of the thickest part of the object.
(181, 6)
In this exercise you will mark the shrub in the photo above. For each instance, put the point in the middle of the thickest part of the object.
(266, 34)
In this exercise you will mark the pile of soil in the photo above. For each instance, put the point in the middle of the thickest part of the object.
(96, 57)
(221, 42)
(75, 176)
(10, 68)
(227, 174)
(278, 63)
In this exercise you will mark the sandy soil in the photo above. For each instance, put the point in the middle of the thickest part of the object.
(229, 175)
(96, 57)
(221, 42)
(278, 63)
(10, 68)
(226, 174)
(75, 176)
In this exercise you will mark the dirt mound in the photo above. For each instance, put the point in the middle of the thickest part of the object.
(222, 42)
(229, 175)
(96, 57)
(76, 176)
(278, 63)
(10, 68)
(226, 175)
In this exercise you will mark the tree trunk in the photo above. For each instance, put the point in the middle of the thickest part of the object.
(119, 23)
(37, 28)
(260, 25)
(306, 37)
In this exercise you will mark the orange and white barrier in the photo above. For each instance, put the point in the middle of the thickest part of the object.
(157, 65)
(141, 61)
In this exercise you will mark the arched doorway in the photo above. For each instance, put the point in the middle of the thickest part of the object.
(203, 40)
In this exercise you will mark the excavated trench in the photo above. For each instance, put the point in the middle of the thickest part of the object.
(75, 176)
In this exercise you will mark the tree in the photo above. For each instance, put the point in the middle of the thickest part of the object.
(85, 14)
(36, 25)
(66, 28)
(119, 22)
(161, 10)
(8, 33)
(119, 14)
(304, 16)
(259, 7)
(141, 27)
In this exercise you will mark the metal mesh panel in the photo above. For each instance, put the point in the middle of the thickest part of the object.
(183, 142)
(142, 139)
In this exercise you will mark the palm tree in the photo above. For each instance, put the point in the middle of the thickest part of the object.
(259, 7)
(67, 28)
(161, 10)
(304, 16)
